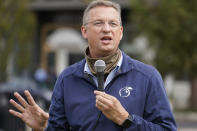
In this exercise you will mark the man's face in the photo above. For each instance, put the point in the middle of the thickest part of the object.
(103, 31)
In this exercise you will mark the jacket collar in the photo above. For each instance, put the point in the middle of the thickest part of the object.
(127, 63)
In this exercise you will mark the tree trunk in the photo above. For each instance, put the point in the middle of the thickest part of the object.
(194, 93)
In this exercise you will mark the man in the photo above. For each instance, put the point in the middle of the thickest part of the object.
(134, 97)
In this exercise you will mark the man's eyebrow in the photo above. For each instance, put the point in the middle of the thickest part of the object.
(98, 20)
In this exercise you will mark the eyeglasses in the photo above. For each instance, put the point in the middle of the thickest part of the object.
(101, 23)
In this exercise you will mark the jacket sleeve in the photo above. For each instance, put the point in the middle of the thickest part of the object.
(57, 119)
(157, 114)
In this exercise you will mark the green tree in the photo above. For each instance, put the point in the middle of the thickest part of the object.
(17, 25)
(171, 28)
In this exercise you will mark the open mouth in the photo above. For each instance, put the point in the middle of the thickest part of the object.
(106, 39)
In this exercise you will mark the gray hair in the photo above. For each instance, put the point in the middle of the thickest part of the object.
(97, 3)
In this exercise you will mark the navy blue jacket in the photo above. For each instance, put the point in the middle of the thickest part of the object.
(138, 87)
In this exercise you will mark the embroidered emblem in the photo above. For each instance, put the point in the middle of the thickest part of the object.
(125, 92)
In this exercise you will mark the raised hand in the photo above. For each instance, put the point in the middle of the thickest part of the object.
(29, 112)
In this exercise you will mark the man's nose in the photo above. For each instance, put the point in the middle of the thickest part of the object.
(106, 27)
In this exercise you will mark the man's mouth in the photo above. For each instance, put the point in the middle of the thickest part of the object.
(106, 39)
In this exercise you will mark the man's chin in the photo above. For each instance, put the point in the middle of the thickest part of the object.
(108, 51)
(108, 47)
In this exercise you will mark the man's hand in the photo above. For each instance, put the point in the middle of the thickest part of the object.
(111, 107)
(30, 112)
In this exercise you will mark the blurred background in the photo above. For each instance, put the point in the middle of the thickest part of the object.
(40, 38)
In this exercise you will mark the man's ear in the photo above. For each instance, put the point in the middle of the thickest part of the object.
(121, 31)
(84, 32)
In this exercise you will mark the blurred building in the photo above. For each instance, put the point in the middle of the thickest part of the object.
(58, 40)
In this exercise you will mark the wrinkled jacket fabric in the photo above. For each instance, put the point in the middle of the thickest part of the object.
(138, 87)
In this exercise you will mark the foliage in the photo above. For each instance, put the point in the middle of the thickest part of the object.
(16, 32)
(170, 26)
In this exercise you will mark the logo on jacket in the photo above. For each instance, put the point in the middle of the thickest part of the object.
(125, 92)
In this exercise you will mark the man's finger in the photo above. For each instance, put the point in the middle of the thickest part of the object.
(17, 114)
(103, 94)
(30, 99)
(100, 105)
(21, 99)
(45, 115)
(105, 98)
(109, 97)
(17, 106)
